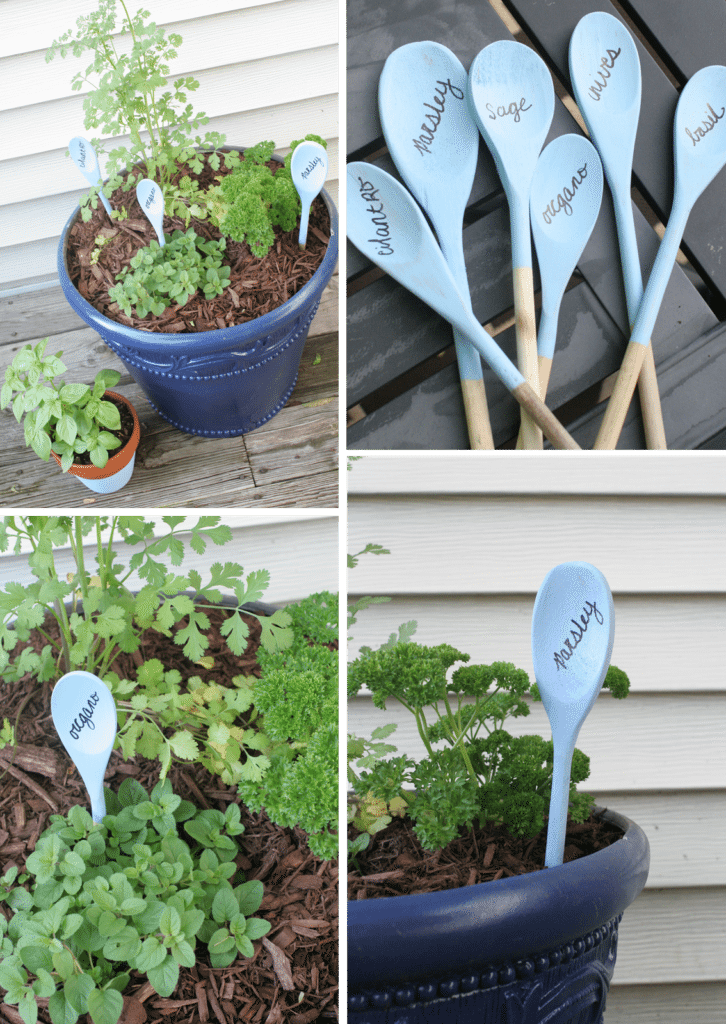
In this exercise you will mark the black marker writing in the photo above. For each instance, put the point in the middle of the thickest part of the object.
(606, 65)
(709, 124)
(432, 121)
(82, 154)
(590, 610)
(85, 716)
(514, 110)
(310, 166)
(369, 194)
(565, 197)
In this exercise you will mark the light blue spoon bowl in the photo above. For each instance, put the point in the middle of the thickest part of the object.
(85, 158)
(151, 201)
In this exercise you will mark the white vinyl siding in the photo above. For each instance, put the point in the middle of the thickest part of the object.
(267, 70)
(300, 551)
(471, 539)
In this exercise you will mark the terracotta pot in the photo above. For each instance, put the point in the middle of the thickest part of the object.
(218, 383)
(533, 948)
(117, 471)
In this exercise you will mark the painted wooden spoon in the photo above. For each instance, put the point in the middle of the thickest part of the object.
(573, 628)
(308, 169)
(512, 100)
(85, 158)
(434, 144)
(151, 201)
(605, 73)
(564, 204)
(84, 714)
(699, 146)
(387, 225)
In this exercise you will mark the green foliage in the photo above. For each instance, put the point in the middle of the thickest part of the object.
(132, 893)
(158, 277)
(482, 773)
(130, 94)
(297, 701)
(248, 203)
(69, 419)
(110, 618)
(203, 716)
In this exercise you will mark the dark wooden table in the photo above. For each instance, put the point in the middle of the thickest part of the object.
(403, 389)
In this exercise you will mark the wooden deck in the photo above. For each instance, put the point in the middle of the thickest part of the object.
(291, 460)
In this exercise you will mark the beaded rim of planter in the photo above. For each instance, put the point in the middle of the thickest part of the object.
(598, 946)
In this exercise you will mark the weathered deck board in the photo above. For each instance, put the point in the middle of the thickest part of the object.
(291, 460)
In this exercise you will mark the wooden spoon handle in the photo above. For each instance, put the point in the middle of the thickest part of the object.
(655, 438)
(617, 407)
(477, 414)
(526, 331)
(553, 429)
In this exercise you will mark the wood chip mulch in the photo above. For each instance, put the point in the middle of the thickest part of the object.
(257, 286)
(395, 864)
(293, 976)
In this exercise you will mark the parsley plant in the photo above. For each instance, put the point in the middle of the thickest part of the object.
(481, 772)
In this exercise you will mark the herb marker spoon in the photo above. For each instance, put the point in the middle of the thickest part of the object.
(85, 158)
(84, 714)
(151, 201)
(573, 627)
(387, 225)
(434, 143)
(699, 146)
(512, 100)
(565, 202)
(606, 81)
(309, 169)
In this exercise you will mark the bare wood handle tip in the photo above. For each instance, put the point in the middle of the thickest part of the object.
(553, 429)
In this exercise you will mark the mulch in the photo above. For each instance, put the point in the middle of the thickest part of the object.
(293, 976)
(395, 864)
(257, 286)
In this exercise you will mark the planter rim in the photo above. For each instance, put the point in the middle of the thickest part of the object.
(118, 461)
(205, 341)
(406, 938)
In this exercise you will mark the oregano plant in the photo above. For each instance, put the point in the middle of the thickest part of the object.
(134, 892)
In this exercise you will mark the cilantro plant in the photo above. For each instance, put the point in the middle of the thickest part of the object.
(158, 277)
(135, 892)
(297, 701)
(69, 419)
(97, 616)
(130, 94)
(481, 772)
(248, 203)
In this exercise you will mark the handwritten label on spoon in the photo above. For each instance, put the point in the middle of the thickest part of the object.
(311, 167)
(707, 125)
(514, 110)
(432, 121)
(379, 221)
(607, 63)
(563, 200)
(590, 611)
(85, 716)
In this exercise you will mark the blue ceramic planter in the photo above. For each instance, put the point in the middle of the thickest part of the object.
(530, 949)
(216, 383)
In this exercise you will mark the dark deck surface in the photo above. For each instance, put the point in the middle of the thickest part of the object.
(290, 461)
(403, 389)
